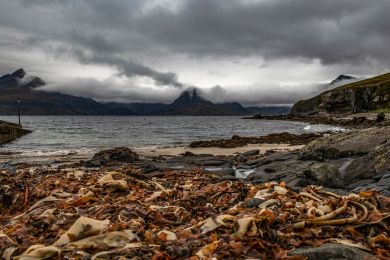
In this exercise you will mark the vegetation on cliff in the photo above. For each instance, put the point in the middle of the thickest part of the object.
(370, 95)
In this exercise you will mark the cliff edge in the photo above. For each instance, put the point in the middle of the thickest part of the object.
(369, 95)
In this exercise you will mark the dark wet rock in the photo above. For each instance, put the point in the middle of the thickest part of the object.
(324, 174)
(332, 251)
(296, 182)
(276, 138)
(383, 185)
(112, 157)
(360, 168)
(375, 164)
(213, 162)
(221, 171)
(251, 153)
(205, 161)
(275, 157)
(229, 178)
(149, 167)
(360, 183)
(279, 170)
(8, 166)
(380, 117)
(243, 157)
(252, 203)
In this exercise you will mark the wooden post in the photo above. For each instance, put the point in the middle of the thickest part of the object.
(19, 111)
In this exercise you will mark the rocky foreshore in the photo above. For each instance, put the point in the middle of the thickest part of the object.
(354, 121)
(277, 138)
(199, 206)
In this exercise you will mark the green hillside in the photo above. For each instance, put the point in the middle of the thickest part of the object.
(369, 95)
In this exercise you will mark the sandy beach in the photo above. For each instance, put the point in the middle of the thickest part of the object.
(173, 151)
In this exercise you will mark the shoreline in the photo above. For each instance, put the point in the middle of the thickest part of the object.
(216, 151)
(352, 121)
(149, 153)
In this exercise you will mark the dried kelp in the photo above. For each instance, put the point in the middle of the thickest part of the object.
(94, 214)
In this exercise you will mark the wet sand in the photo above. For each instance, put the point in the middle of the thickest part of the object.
(216, 150)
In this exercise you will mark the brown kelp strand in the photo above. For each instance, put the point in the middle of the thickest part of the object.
(100, 214)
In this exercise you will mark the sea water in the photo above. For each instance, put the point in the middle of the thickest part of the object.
(61, 135)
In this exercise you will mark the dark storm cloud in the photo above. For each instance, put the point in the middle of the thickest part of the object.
(333, 31)
(109, 90)
(126, 67)
(130, 34)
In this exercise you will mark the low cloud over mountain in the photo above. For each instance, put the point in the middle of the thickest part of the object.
(260, 51)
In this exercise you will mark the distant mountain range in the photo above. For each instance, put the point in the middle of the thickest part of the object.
(39, 102)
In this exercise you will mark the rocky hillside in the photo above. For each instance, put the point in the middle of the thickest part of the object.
(36, 102)
(370, 95)
(190, 103)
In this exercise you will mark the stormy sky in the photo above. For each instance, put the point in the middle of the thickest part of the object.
(258, 52)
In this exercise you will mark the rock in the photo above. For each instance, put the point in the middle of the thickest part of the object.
(187, 153)
(252, 203)
(332, 251)
(214, 162)
(360, 183)
(221, 171)
(251, 153)
(380, 117)
(297, 183)
(383, 185)
(229, 178)
(279, 170)
(243, 157)
(347, 144)
(275, 138)
(374, 164)
(360, 168)
(112, 157)
(275, 157)
(324, 174)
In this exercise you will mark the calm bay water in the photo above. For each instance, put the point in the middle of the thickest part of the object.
(56, 135)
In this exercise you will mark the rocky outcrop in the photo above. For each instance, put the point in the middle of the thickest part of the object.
(362, 96)
(354, 161)
(115, 156)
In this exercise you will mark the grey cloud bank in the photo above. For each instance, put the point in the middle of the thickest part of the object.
(149, 50)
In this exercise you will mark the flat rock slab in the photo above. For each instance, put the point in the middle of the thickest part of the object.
(332, 252)
(358, 142)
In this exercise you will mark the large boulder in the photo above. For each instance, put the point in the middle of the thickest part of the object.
(353, 143)
(113, 156)
(376, 163)
(324, 174)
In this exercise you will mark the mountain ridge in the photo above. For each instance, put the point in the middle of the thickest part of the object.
(38, 102)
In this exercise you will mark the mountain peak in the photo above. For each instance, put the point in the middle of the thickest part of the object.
(20, 79)
(340, 78)
(19, 73)
(188, 97)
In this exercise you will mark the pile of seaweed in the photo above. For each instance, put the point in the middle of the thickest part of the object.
(116, 214)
